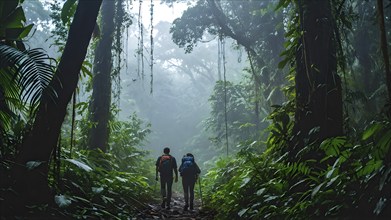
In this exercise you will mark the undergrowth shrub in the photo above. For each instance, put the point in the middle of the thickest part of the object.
(86, 184)
(87, 189)
(351, 181)
(110, 185)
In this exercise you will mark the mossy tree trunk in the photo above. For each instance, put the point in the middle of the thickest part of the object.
(318, 87)
(384, 49)
(38, 145)
(101, 83)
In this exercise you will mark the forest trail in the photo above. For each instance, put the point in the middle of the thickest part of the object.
(155, 211)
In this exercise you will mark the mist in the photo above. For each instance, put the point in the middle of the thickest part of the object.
(273, 109)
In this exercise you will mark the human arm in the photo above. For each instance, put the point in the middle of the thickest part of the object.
(176, 174)
(157, 168)
(175, 170)
(198, 170)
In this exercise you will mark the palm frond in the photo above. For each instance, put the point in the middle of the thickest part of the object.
(31, 70)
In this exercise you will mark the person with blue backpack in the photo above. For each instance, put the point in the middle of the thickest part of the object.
(166, 165)
(189, 171)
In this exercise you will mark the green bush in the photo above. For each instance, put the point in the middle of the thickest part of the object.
(351, 181)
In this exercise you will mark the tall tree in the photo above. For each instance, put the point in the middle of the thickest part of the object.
(101, 83)
(384, 48)
(252, 26)
(31, 171)
(318, 87)
(364, 50)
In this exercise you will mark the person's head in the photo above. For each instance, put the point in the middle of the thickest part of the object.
(190, 155)
(166, 150)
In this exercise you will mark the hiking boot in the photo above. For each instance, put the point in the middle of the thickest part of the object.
(164, 203)
(185, 207)
(191, 206)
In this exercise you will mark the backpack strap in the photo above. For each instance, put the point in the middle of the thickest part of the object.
(162, 159)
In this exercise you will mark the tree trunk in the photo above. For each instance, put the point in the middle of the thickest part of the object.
(384, 48)
(32, 184)
(364, 50)
(101, 84)
(318, 87)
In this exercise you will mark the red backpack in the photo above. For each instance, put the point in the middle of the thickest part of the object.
(165, 163)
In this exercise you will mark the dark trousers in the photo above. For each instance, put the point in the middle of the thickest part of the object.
(188, 189)
(166, 187)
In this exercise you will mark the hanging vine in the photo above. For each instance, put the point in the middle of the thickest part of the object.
(73, 124)
(140, 43)
(151, 64)
(122, 20)
(257, 85)
(221, 63)
(219, 58)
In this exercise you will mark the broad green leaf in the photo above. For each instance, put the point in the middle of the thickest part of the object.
(332, 181)
(241, 212)
(270, 198)
(62, 201)
(86, 71)
(330, 173)
(97, 190)
(371, 166)
(26, 31)
(260, 191)
(30, 165)
(67, 10)
(15, 19)
(371, 131)
(121, 179)
(283, 63)
(80, 164)
(384, 143)
(316, 190)
(332, 146)
(381, 204)
(298, 183)
(282, 4)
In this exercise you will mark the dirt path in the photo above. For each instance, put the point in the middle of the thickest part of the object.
(154, 211)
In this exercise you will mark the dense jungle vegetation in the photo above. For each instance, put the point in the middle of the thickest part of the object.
(286, 105)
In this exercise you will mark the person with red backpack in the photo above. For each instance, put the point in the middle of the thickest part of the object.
(189, 171)
(166, 165)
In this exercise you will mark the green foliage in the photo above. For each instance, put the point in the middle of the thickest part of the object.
(12, 24)
(280, 128)
(86, 184)
(125, 139)
(30, 70)
(190, 28)
(94, 186)
(25, 73)
(240, 116)
(350, 181)
(61, 18)
(68, 10)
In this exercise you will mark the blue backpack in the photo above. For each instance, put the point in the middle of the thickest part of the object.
(187, 165)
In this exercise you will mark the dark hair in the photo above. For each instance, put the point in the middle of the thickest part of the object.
(166, 150)
(190, 155)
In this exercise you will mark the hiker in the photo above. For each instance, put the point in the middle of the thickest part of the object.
(166, 165)
(189, 171)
